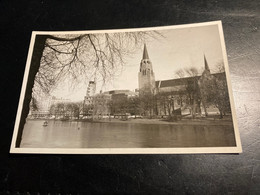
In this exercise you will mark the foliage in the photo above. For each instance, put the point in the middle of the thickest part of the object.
(165, 101)
(62, 110)
(123, 104)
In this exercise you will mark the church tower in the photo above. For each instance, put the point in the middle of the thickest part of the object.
(146, 75)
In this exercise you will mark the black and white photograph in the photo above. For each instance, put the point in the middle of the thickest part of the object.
(148, 90)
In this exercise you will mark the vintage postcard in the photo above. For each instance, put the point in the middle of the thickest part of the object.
(129, 91)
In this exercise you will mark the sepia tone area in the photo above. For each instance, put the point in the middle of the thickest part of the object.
(192, 109)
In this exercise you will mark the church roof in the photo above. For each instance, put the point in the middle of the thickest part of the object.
(172, 82)
(179, 81)
(145, 54)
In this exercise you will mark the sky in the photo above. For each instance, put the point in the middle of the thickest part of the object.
(178, 49)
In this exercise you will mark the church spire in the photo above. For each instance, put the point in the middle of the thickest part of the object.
(146, 76)
(206, 64)
(145, 54)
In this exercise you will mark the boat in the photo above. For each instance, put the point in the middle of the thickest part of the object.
(45, 123)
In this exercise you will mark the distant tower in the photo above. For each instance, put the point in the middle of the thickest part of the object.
(91, 90)
(146, 75)
(206, 70)
(205, 83)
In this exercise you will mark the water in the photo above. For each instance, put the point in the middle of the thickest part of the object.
(60, 134)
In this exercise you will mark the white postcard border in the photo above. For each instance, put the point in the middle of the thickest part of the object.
(186, 150)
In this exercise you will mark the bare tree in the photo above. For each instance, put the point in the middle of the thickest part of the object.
(133, 105)
(162, 98)
(214, 90)
(56, 58)
(167, 105)
(190, 77)
(58, 110)
(88, 56)
(147, 102)
(101, 105)
(222, 98)
(71, 110)
(219, 68)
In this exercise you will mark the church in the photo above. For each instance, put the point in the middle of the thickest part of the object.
(174, 96)
(156, 98)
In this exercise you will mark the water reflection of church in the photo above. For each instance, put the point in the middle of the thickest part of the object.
(161, 97)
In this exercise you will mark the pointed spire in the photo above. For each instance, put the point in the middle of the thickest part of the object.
(145, 54)
(206, 64)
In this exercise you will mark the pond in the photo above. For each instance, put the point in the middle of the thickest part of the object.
(66, 134)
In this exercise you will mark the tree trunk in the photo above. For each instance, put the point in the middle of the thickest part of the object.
(204, 106)
(221, 114)
(34, 67)
(193, 109)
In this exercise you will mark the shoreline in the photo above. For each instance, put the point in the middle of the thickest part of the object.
(209, 121)
(164, 122)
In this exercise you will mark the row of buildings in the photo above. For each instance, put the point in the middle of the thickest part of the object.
(42, 105)
(153, 97)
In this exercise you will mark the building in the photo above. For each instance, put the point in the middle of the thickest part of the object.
(91, 90)
(101, 104)
(55, 100)
(174, 96)
(89, 99)
(182, 96)
(105, 103)
(113, 102)
(146, 77)
(40, 105)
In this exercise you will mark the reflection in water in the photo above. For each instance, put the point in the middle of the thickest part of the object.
(60, 134)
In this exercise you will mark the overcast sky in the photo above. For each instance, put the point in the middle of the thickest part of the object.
(179, 49)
